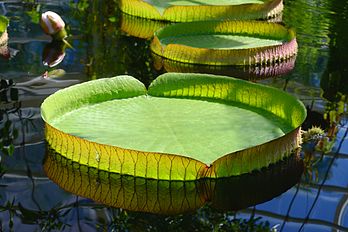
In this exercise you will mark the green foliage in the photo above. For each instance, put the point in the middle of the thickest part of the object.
(35, 14)
(8, 134)
(3, 23)
(175, 111)
(225, 42)
(203, 10)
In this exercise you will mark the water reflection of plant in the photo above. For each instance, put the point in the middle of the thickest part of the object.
(318, 143)
(47, 220)
(59, 218)
(204, 219)
(311, 25)
(99, 22)
(7, 132)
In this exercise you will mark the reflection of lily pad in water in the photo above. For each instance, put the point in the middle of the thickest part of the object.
(184, 127)
(172, 197)
(139, 27)
(225, 43)
(193, 10)
(248, 72)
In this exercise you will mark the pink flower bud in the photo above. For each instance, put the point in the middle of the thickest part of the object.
(51, 23)
(4, 51)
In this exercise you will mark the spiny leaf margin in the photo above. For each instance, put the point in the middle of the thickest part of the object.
(252, 56)
(140, 8)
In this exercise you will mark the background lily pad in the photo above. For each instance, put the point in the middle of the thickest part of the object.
(225, 43)
(189, 10)
(178, 128)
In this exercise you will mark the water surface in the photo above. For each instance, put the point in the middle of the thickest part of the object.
(30, 201)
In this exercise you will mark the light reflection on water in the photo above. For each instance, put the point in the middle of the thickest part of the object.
(317, 203)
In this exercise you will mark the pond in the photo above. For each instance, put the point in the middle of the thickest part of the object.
(40, 191)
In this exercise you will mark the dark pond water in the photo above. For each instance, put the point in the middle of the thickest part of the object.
(107, 43)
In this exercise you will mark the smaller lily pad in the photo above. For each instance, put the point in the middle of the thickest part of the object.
(184, 127)
(225, 43)
(191, 10)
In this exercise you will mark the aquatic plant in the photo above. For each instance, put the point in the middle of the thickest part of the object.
(225, 43)
(184, 127)
(53, 25)
(189, 10)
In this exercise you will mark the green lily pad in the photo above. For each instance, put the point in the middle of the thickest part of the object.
(145, 28)
(225, 43)
(185, 126)
(193, 10)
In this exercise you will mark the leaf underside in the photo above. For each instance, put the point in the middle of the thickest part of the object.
(183, 124)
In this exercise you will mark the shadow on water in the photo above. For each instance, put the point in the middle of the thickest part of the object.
(172, 197)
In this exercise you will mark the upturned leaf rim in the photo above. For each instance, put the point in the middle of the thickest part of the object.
(169, 166)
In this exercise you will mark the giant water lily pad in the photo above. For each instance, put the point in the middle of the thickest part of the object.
(193, 10)
(184, 127)
(225, 43)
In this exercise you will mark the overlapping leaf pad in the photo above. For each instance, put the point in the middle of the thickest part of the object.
(184, 127)
(193, 10)
(225, 43)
